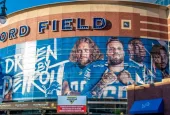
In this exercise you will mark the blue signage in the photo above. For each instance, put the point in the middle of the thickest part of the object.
(67, 25)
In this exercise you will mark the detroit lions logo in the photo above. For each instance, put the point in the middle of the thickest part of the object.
(54, 86)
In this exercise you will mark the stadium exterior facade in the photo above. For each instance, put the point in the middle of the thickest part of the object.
(37, 44)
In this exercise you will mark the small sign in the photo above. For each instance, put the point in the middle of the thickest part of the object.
(125, 24)
(71, 104)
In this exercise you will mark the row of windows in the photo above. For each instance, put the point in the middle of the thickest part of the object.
(61, 48)
(62, 54)
(33, 60)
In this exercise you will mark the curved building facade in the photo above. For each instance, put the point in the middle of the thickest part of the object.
(88, 48)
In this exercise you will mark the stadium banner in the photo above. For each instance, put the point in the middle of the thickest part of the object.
(71, 104)
(27, 105)
(92, 66)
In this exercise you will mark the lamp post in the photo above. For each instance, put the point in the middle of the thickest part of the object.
(3, 16)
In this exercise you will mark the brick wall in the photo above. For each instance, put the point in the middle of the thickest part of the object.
(145, 92)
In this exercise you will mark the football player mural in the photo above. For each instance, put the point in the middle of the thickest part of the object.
(137, 53)
(95, 66)
(116, 75)
(84, 52)
(160, 61)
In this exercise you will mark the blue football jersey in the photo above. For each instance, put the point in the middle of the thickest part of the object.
(78, 76)
(75, 76)
(115, 90)
(144, 75)
(97, 70)
(159, 75)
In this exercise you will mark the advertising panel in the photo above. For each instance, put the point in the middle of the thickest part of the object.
(93, 66)
(71, 104)
(27, 105)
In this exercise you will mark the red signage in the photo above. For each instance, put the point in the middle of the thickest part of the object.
(71, 109)
(72, 104)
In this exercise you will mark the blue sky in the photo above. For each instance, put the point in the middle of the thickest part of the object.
(15, 5)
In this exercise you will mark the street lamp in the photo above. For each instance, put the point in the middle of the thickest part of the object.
(3, 16)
